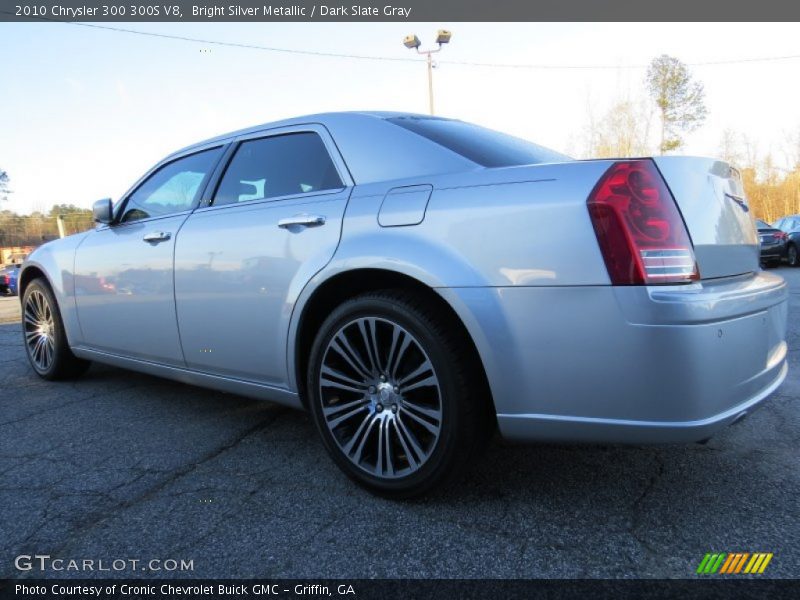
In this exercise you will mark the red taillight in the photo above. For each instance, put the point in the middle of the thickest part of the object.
(780, 235)
(640, 231)
(6, 280)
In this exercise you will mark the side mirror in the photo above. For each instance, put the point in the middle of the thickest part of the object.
(102, 211)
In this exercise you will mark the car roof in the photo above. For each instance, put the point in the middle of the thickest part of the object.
(358, 136)
(322, 118)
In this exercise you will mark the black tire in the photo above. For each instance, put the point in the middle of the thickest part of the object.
(465, 422)
(792, 256)
(62, 363)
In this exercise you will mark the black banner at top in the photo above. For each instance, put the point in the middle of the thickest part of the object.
(398, 10)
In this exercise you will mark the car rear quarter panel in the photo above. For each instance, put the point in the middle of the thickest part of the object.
(482, 231)
(494, 227)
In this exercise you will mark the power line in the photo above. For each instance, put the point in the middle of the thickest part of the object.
(407, 59)
(245, 46)
(223, 43)
(399, 59)
(598, 67)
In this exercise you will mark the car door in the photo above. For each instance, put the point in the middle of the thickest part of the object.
(240, 262)
(124, 290)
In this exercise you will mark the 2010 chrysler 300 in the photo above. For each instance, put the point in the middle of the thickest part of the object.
(414, 282)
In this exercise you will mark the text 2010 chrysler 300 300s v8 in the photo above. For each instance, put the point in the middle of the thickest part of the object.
(416, 282)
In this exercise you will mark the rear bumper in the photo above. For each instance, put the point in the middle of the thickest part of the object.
(773, 252)
(628, 364)
(588, 429)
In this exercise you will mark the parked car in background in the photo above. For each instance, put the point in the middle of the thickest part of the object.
(406, 280)
(790, 225)
(5, 281)
(9, 276)
(13, 279)
(773, 243)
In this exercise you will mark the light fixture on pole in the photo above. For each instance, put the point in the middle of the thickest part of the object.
(412, 43)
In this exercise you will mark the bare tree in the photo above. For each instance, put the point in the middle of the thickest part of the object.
(792, 149)
(623, 131)
(4, 191)
(730, 148)
(680, 100)
(772, 190)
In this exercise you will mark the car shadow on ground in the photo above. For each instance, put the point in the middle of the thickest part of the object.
(561, 472)
(106, 455)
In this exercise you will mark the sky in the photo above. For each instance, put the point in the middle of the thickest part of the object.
(86, 111)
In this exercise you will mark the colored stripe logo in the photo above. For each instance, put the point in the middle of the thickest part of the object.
(734, 563)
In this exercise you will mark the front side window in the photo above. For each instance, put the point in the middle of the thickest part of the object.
(172, 189)
(282, 165)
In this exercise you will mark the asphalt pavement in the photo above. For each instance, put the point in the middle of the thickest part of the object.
(9, 309)
(122, 466)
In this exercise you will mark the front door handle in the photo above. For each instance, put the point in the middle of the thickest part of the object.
(157, 236)
(302, 221)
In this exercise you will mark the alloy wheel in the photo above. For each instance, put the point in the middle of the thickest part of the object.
(39, 327)
(380, 397)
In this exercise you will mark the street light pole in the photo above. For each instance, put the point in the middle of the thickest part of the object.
(430, 82)
(412, 42)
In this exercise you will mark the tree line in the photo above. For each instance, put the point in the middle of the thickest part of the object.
(37, 227)
(673, 105)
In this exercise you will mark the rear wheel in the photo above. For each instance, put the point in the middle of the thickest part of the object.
(792, 256)
(44, 337)
(392, 395)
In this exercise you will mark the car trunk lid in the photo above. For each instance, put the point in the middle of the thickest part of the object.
(711, 198)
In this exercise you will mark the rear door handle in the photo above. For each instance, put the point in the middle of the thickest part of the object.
(301, 221)
(157, 236)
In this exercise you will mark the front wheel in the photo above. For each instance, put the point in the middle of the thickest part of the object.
(44, 337)
(392, 395)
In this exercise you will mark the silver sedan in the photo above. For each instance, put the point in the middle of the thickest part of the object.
(416, 283)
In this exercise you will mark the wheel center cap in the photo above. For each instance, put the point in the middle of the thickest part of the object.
(385, 392)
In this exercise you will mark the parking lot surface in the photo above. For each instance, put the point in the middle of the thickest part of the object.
(119, 465)
(9, 309)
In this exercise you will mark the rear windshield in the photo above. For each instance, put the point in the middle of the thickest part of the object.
(480, 145)
(762, 225)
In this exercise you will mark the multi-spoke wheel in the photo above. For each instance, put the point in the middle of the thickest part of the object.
(391, 395)
(39, 326)
(380, 397)
(44, 337)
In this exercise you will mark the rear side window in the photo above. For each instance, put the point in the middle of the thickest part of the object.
(282, 165)
(480, 145)
(172, 189)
